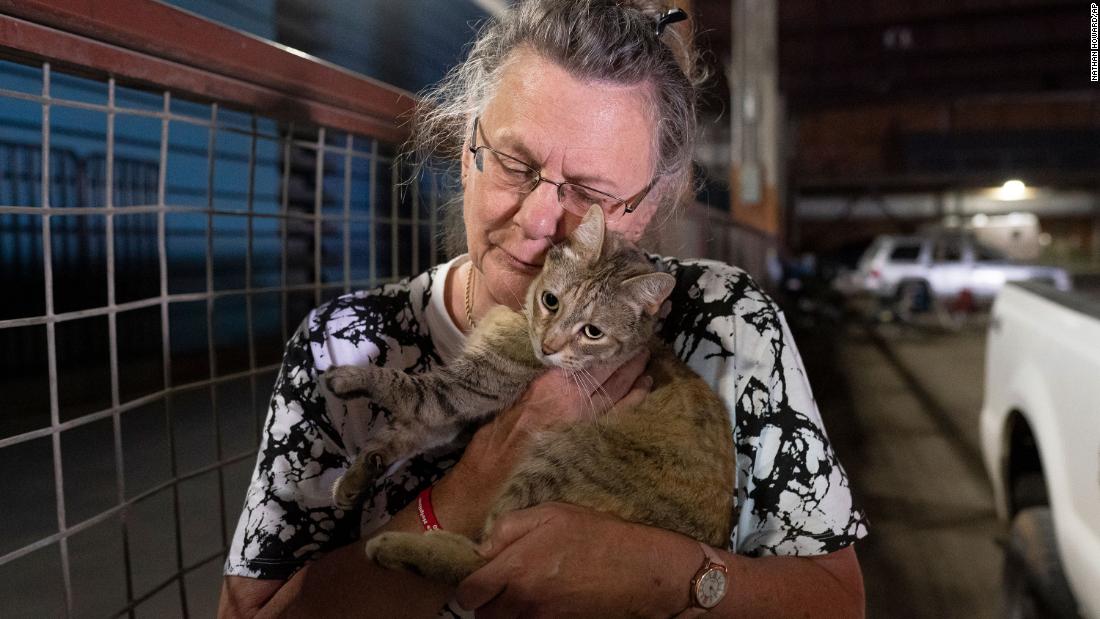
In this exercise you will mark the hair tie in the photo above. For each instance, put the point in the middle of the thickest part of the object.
(670, 16)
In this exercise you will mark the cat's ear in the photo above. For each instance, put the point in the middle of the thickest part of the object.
(587, 239)
(650, 289)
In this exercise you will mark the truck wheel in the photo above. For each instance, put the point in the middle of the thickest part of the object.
(1034, 585)
(1029, 490)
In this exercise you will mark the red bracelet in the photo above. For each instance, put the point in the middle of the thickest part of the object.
(425, 511)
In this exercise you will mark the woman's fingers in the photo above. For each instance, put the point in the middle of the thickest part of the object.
(561, 396)
(621, 382)
(638, 392)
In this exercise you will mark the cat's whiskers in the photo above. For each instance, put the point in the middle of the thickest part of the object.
(596, 386)
(581, 387)
(586, 389)
(593, 388)
(519, 302)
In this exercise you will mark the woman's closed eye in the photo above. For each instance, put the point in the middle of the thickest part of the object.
(580, 197)
(517, 171)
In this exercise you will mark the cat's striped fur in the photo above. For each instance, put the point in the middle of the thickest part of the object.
(667, 463)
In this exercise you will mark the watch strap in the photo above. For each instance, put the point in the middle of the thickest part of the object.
(711, 559)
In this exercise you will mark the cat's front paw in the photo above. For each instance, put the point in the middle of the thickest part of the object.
(345, 494)
(347, 381)
(438, 555)
(360, 476)
(390, 551)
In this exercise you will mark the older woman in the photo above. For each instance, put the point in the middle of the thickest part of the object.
(594, 101)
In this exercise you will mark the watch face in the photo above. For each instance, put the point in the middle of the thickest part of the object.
(710, 588)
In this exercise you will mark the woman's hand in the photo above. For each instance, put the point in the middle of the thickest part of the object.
(560, 560)
(462, 497)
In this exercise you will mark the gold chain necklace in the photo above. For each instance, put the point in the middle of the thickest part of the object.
(469, 304)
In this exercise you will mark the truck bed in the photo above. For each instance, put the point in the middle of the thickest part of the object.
(1043, 370)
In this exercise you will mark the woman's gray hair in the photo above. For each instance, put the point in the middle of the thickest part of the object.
(606, 40)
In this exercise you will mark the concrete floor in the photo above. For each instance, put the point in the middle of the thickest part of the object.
(32, 586)
(901, 406)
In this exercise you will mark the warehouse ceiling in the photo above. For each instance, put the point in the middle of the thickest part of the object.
(847, 52)
(850, 52)
(897, 95)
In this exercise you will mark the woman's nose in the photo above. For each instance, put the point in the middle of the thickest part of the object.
(540, 216)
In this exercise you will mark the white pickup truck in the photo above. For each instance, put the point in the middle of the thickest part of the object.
(1040, 427)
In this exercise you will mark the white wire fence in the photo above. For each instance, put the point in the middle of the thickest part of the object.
(155, 253)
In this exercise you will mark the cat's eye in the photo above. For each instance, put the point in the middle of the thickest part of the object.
(549, 301)
(592, 332)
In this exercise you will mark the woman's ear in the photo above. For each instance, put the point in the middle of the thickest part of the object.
(633, 226)
(464, 164)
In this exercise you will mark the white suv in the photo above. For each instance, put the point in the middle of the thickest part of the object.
(943, 266)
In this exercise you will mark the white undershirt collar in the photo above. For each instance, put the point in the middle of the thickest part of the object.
(446, 335)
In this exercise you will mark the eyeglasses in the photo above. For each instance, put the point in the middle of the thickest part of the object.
(511, 174)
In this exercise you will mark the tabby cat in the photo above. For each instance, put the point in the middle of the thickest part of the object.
(667, 463)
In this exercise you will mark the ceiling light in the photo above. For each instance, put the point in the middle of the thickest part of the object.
(1012, 190)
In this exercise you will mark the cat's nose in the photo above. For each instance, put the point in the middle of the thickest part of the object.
(554, 343)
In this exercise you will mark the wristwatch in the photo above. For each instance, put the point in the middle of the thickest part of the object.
(708, 586)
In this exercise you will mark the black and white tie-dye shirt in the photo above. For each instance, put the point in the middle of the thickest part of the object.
(793, 496)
